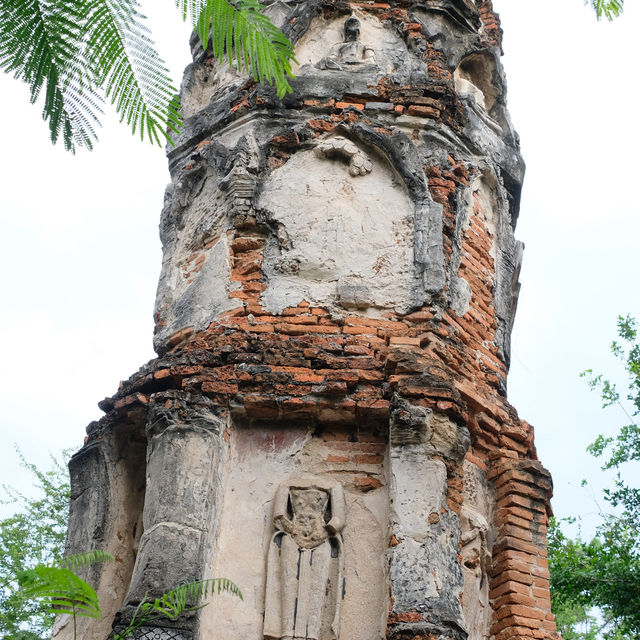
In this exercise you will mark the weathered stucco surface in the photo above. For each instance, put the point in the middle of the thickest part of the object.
(322, 215)
(333, 317)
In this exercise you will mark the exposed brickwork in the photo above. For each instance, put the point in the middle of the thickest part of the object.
(490, 23)
(302, 365)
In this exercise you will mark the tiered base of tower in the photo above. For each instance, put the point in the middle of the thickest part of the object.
(326, 423)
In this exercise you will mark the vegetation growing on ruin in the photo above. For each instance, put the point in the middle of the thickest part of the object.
(58, 589)
(37, 582)
(176, 603)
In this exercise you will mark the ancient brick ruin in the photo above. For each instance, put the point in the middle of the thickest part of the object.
(326, 422)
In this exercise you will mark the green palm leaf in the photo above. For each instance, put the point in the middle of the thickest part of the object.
(609, 8)
(171, 605)
(244, 35)
(41, 44)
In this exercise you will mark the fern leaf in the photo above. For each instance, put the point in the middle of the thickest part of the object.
(85, 559)
(240, 32)
(60, 590)
(133, 75)
(185, 598)
(41, 44)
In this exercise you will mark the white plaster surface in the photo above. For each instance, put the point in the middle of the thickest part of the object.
(423, 570)
(418, 489)
(467, 88)
(342, 239)
(187, 297)
(199, 84)
(484, 188)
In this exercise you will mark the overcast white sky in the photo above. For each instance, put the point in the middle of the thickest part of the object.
(80, 253)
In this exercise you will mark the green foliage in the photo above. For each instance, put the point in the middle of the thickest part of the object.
(78, 53)
(625, 446)
(86, 559)
(59, 590)
(602, 573)
(261, 49)
(37, 582)
(34, 535)
(173, 604)
(609, 8)
(575, 622)
(605, 572)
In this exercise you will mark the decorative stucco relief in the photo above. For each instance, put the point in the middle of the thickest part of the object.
(357, 44)
(304, 575)
(322, 210)
(352, 54)
(477, 537)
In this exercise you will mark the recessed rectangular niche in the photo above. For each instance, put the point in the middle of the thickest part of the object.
(335, 480)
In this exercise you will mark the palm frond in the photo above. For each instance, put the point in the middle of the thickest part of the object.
(60, 590)
(41, 44)
(85, 559)
(133, 75)
(245, 36)
(184, 599)
(609, 8)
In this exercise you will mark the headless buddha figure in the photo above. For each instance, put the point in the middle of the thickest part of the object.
(304, 577)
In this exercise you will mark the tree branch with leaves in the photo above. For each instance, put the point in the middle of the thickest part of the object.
(610, 9)
(32, 536)
(78, 55)
(604, 573)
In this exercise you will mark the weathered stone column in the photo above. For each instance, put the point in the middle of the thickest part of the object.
(327, 420)
(180, 508)
(425, 575)
(107, 498)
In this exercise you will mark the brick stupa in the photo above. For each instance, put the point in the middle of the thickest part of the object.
(326, 423)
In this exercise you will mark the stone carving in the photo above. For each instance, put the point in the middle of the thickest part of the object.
(476, 562)
(359, 162)
(350, 55)
(240, 181)
(304, 572)
(475, 552)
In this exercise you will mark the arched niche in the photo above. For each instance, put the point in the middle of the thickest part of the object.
(344, 230)
(477, 75)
